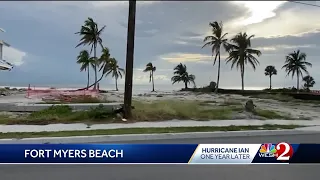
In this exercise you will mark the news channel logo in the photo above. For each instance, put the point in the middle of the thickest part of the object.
(267, 150)
(282, 151)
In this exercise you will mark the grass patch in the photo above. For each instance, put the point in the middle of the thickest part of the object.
(209, 102)
(284, 98)
(62, 114)
(143, 111)
(155, 111)
(5, 119)
(237, 108)
(271, 114)
(75, 99)
(278, 97)
(166, 110)
(142, 131)
(230, 102)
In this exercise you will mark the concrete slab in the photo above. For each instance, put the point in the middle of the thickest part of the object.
(162, 124)
(148, 137)
(25, 107)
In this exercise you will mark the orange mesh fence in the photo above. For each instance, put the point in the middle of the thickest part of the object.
(315, 92)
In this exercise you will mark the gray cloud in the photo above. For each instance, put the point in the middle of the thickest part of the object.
(45, 32)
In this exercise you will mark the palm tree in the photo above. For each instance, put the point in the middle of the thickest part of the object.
(240, 53)
(296, 63)
(216, 40)
(181, 74)
(270, 71)
(115, 70)
(150, 68)
(309, 82)
(85, 61)
(103, 62)
(91, 35)
(104, 59)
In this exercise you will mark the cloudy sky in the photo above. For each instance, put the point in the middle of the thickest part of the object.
(42, 39)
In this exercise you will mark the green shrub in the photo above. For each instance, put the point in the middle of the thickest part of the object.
(99, 112)
(85, 99)
(269, 114)
(53, 110)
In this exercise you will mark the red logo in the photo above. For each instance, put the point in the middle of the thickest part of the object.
(284, 151)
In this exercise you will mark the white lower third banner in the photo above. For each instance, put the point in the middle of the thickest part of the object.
(225, 154)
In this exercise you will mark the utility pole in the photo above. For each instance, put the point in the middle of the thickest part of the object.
(129, 59)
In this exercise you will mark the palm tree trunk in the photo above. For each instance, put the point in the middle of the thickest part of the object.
(270, 82)
(116, 84)
(242, 77)
(92, 84)
(218, 78)
(88, 77)
(95, 65)
(186, 85)
(297, 82)
(152, 81)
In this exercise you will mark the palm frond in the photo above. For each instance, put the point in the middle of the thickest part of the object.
(211, 38)
(207, 44)
(253, 51)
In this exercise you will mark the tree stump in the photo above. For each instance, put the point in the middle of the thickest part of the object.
(250, 106)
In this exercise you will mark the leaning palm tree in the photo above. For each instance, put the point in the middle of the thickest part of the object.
(104, 59)
(115, 70)
(309, 82)
(296, 63)
(181, 74)
(91, 35)
(150, 68)
(215, 41)
(241, 53)
(85, 61)
(270, 71)
(104, 62)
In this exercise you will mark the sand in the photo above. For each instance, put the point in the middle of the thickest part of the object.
(293, 109)
(298, 111)
(301, 111)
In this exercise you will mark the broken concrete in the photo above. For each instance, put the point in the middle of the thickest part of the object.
(25, 107)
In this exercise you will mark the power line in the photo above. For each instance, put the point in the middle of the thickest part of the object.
(314, 5)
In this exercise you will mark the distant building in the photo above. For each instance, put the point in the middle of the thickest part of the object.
(4, 65)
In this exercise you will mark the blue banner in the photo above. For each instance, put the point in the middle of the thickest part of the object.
(96, 153)
(160, 153)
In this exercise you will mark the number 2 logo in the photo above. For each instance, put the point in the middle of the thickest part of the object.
(284, 151)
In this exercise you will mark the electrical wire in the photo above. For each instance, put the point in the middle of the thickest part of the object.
(314, 5)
